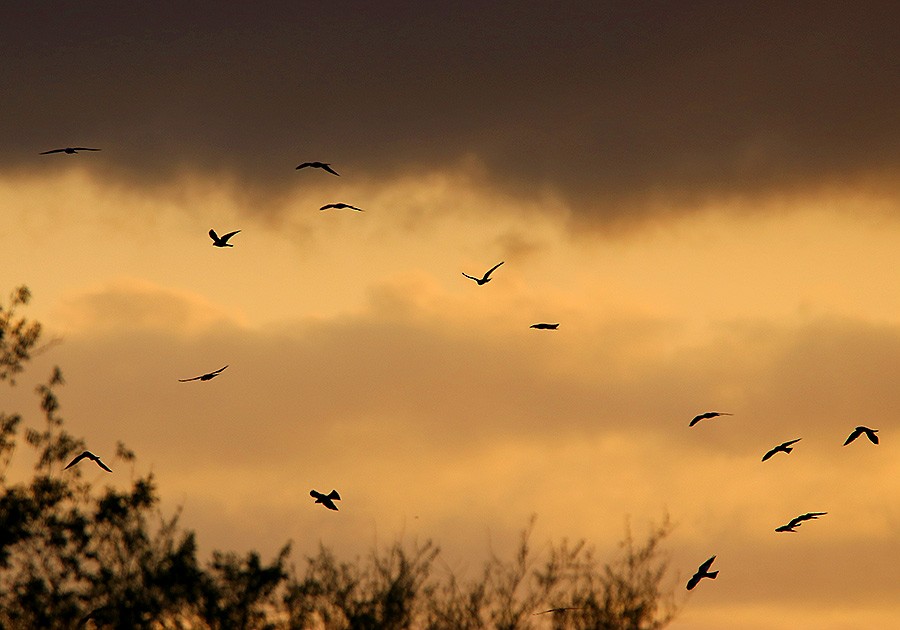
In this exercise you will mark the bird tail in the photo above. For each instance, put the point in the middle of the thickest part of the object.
(712, 575)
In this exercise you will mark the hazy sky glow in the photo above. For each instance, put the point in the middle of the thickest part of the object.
(706, 198)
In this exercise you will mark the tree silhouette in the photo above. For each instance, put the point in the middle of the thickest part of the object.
(73, 554)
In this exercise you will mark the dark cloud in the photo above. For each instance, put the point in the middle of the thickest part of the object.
(607, 102)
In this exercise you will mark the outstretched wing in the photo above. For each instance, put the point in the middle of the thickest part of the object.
(213, 235)
(770, 453)
(225, 237)
(334, 495)
(329, 206)
(102, 465)
(491, 270)
(304, 165)
(219, 370)
(326, 167)
(788, 443)
(84, 149)
(470, 277)
(871, 435)
(77, 459)
(856, 433)
(185, 380)
(705, 566)
(52, 151)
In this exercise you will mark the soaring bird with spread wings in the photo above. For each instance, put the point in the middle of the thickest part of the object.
(326, 499)
(68, 150)
(92, 457)
(869, 433)
(204, 377)
(221, 241)
(486, 277)
(799, 520)
(543, 326)
(781, 448)
(702, 572)
(708, 414)
(340, 206)
(325, 166)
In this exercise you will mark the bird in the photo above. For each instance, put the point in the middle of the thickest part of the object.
(708, 414)
(486, 277)
(870, 433)
(340, 206)
(222, 241)
(558, 610)
(91, 456)
(798, 520)
(326, 499)
(545, 326)
(325, 166)
(702, 572)
(68, 150)
(785, 448)
(203, 377)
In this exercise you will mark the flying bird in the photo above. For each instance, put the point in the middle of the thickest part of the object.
(325, 166)
(340, 206)
(203, 377)
(797, 521)
(870, 433)
(326, 499)
(486, 277)
(222, 241)
(784, 448)
(91, 456)
(545, 326)
(702, 572)
(708, 414)
(69, 150)
(558, 610)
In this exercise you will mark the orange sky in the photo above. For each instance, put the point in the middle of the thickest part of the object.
(747, 264)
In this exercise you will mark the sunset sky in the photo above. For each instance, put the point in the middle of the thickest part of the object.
(705, 196)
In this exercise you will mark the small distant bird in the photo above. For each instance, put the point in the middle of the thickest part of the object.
(69, 150)
(545, 326)
(91, 456)
(222, 241)
(325, 166)
(557, 610)
(203, 377)
(340, 206)
(784, 448)
(486, 277)
(797, 521)
(702, 572)
(708, 414)
(870, 433)
(326, 499)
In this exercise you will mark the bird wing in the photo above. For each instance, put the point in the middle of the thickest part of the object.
(326, 167)
(491, 270)
(353, 207)
(334, 495)
(770, 453)
(52, 151)
(185, 380)
(705, 566)
(219, 370)
(872, 437)
(329, 504)
(102, 465)
(789, 442)
(304, 165)
(225, 237)
(470, 277)
(77, 459)
(330, 205)
(856, 433)
(84, 149)
(697, 419)
(213, 235)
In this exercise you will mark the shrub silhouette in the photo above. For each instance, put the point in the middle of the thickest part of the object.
(75, 555)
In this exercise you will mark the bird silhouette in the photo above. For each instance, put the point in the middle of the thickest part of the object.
(702, 572)
(203, 377)
(326, 499)
(558, 610)
(340, 206)
(870, 433)
(545, 326)
(708, 414)
(798, 520)
(325, 166)
(784, 448)
(91, 456)
(222, 241)
(68, 150)
(486, 277)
